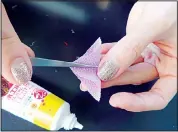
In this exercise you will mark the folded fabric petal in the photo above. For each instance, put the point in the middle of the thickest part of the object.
(88, 76)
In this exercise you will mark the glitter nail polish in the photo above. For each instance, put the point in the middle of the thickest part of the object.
(21, 71)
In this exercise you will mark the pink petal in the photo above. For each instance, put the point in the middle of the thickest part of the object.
(88, 76)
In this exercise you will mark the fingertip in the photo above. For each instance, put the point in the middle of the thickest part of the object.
(112, 102)
(107, 69)
(125, 101)
(83, 88)
(30, 52)
(115, 100)
(16, 65)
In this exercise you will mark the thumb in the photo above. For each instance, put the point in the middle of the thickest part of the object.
(153, 26)
(16, 64)
(122, 55)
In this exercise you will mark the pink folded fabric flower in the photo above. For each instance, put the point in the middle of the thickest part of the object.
(88, 76)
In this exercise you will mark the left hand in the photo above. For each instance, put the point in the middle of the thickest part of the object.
(135, 68)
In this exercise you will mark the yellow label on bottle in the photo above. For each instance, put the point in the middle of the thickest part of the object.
(47, 110)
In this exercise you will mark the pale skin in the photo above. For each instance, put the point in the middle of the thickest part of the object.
(148, 22)
(12, 48)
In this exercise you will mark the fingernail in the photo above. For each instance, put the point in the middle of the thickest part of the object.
(21, 71)
(107, 70)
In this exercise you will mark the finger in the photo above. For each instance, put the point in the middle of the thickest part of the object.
(83, 87)
(121, 56)
(169, 49)
(106, 47)
(127, 50)
(155, 99)
(123, 79)
(29, 51)
(16, 65)
(135, 15)
(139, 60)
(136, 74)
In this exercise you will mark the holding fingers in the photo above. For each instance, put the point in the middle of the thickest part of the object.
(16, 64)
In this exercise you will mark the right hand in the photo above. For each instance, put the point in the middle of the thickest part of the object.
(16, 64)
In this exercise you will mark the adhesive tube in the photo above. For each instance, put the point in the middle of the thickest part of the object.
(37, 105)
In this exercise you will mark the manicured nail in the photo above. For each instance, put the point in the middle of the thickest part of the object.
(107, 70)
(21, 71)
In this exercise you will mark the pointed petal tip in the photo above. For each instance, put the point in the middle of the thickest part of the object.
(97, 96)
(99, 40)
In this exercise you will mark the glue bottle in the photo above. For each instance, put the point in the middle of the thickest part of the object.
(38, 106)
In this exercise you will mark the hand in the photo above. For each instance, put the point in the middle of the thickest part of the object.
(16, 64)
(123, 63)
